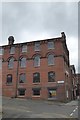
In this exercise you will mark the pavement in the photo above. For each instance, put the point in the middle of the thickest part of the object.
(70, 103)
(73, 102)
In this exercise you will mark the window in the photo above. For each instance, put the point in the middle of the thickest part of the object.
(36, 91)
(9, 79)
(0, 63)
(21, 92)
(50, 59)
(51, 76)
(23, 62)
(37, 61)
(37, 46)
(24, 48)
(11, 62)
(12, 50)
(50, 45)
(22, 78)
(1, 51)
(36, 77)
(51, 93)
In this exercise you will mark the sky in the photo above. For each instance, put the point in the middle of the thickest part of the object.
(29, 21)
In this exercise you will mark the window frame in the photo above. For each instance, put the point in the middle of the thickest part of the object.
(23, 90)
(24, 48)
(37, 61)
(20, 76)
(9, 62)
(50, 59)
(12, 50)
(0, 63)
(49, 77)
(35, 78)
(7, 80)
(51, 45)
(37, 46)
(37, 90)
(1, 51)
(52, 95)
(22, 63)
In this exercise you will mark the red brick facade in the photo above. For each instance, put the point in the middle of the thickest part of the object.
(73, 81)
(78, 83)
(60, 89)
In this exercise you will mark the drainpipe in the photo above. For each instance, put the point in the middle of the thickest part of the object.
(17, 72)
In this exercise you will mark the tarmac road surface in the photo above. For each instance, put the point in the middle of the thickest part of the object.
(24, 108)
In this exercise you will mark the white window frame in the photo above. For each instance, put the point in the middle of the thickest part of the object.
(37, 61)
(1, 51)
(50, 45)
(22, 65)
(24, 48)
(12, 50)
(50, 59)
(37, 46)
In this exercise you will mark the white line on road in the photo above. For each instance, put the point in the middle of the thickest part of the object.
(74, 111)
(71, 114)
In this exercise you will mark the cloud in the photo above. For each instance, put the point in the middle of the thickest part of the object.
(39, 20)
(72, 44)
(49, 17)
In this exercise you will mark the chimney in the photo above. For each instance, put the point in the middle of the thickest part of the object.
(10, 40)
(63, 35)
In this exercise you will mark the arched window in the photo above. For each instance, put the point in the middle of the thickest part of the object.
(23, 62)
(36, 61)
(36, 77)
(50, 59)
(11, 63)
(9, 79)
(22, 78)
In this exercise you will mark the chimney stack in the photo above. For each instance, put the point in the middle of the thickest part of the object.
(63, 35)
(10, 40)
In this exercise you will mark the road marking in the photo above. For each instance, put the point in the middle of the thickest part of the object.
(71, 114)
(76, 108)
(74, 111)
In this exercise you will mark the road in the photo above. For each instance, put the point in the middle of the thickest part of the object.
(23, 108)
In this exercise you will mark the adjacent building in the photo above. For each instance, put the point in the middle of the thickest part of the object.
(78, 84)
(37, 69)
(73, 82)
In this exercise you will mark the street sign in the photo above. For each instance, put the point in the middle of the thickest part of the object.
(60, 81)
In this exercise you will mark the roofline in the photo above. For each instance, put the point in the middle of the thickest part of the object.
(33, 41)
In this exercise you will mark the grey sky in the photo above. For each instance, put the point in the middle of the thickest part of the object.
(28, 21)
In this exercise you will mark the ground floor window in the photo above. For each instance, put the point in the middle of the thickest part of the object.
(21, 92)
(36, 91)
(51, 93)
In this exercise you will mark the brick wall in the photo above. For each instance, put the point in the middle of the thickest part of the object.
(59, 68)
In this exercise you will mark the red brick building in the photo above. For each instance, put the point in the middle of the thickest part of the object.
(0, 75)
(37, 70)
(78, 84)
(73, 81)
